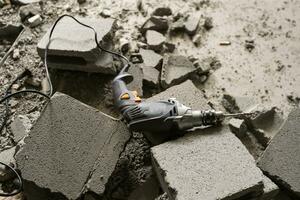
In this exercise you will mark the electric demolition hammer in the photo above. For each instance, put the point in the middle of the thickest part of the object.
(165, 117)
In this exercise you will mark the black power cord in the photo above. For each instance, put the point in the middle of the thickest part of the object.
(48, 96)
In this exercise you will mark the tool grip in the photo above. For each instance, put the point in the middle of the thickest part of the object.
(122, 96)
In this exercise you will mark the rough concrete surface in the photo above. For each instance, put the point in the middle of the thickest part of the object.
(150, 58)
(68, 142)
(175, 70)
(206, 164)
(155, 40)
(281, 160)
(270, 189)
(70, 37)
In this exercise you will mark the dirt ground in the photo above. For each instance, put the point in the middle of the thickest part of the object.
(267, 72)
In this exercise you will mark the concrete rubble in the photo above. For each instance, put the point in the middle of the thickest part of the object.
(70, 37)
(155, 40)
(65, 148)
(162, 11)
(206, 164)
(155, 23)
(150, 58)
(281, 160)
(175, 70)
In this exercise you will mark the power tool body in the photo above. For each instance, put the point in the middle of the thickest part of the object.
(161, 116)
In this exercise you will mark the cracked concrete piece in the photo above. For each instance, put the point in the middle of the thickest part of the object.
(150, 76)
(266, 125)
(155, 23)
(175, 70)
(150, 58)
(73, 46)
(191, 24)
(67, 143)
(155, 40)
(281, 160)
(206, 164)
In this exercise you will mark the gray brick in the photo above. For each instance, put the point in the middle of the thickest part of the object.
(281, 160)
(69, 141)
(73, 46)
(207, 164)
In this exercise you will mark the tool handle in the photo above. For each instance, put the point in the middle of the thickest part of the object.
(122, 96)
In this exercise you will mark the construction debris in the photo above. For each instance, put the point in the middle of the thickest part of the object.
(281, 161)
(175, 69)
(58, 155)
(35, 21)
(70, 37)
(150, 58)
(162, 11)
(155, 40)
(206, 164)
(155, 23)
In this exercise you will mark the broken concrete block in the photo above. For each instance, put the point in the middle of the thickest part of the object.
(155, 40)
(266, 125)
(73, 46)
(155, 23)
(206, 164)
(150, 58)
(162, 11)
(178, 26)
(28, 11)
(281, 160)
(191, 24)
(137, 83)
(238, 127)
(67, 144)
(150, 76)
(10, 31)
(175, 70)
(187, 94)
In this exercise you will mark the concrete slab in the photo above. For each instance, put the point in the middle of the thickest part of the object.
(155, 40)
(206, 164)
(73, 46)
(66, 145)
(150, 76)
(281, 160)
(175, 70)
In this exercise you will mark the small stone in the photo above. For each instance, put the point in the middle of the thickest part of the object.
(169, 47)
(16, 54)
(225, 43)
(150, 58)
(155, 40)
(178, 26)
(238, 127)
(106, 12)
(155, 23)
(162, 11)
(208, 23)
(176, 69)
(197, 40)
(18, 128)
(28, 11)
(249, 45)
(35, 21)
(191, 24)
